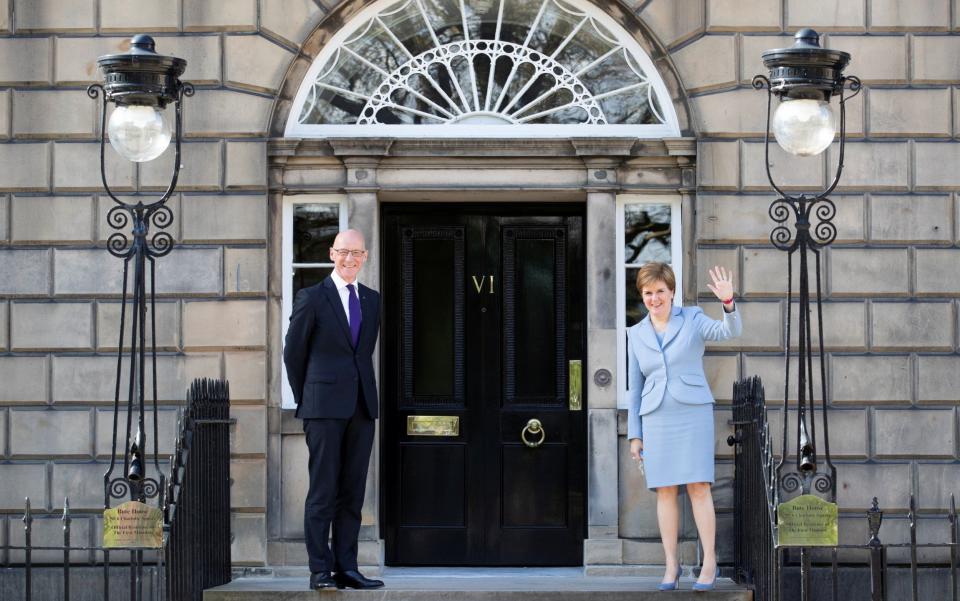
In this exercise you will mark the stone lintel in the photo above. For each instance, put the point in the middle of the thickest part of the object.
(283, 147)
(603, 147)
(592, 148)
(360, 147)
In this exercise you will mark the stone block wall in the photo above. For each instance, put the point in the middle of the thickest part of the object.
(890, 281)
(60, 289)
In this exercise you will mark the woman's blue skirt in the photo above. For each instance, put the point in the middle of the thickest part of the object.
(678, 443)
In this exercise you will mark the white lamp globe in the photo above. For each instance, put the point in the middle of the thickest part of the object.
(804, 127)
(139, 133)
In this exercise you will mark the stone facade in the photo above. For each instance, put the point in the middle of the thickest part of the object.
(890, 281)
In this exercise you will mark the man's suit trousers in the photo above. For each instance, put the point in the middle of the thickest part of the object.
(339, 457)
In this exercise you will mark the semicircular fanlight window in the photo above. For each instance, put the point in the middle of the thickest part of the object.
(482, 62)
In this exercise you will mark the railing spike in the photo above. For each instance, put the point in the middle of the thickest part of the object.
(952, 518)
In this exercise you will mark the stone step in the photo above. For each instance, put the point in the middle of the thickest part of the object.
(520, 584)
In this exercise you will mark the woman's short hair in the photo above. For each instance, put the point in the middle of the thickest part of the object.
(653, 272)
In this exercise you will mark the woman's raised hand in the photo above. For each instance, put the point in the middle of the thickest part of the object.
(722, 285)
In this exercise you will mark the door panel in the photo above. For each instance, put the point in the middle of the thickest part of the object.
(483, 312)
(534, 501)
(434, 488)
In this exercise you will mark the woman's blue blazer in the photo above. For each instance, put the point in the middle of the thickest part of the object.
(677, 366)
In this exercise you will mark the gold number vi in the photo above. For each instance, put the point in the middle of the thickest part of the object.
(478, 284)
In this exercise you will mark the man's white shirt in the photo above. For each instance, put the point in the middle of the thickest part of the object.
(344, 292)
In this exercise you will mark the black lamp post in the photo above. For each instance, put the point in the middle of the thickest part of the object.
(804, 78)
(140, 84)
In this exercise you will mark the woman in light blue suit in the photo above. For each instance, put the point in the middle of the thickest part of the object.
(670, 423)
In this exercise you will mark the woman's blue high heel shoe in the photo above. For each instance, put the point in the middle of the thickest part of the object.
(671, 586)
(707, 586)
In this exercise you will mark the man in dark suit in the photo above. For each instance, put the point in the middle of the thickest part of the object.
(329, 359)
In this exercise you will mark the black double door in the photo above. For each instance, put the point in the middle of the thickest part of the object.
(484, 416)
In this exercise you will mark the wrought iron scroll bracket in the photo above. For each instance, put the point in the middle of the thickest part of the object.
(123, 488)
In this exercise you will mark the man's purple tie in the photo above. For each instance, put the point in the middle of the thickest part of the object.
(355, 317)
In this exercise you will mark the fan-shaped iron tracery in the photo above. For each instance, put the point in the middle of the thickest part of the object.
(483, 62)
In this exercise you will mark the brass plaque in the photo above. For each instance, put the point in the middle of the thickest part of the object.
(807, 521)
(576, 384)
(433, 425)
(133, 524)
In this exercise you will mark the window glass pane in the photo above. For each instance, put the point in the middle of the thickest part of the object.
(407, 25)
(304, 277)
(314, 228)
(633, 304)
(590, 43)
(446, 19)
(517, 18)
(646, 233)
(553, 29)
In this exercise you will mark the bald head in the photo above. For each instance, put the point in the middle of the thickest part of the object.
(352, 239)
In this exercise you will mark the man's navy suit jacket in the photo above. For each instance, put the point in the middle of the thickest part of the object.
(326, 373)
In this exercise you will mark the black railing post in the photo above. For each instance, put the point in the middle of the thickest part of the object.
(27, 553)
(954, 527)
(804, 574)
(913, 548)
(834, 574)
(878, 554)
(66, 549)
(778, 570)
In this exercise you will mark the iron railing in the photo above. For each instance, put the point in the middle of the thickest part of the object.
(197, 500)
(196, 524)
(143, 575)
(771, 570)
(754, 490)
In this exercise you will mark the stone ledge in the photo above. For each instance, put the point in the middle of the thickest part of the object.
(484, 147)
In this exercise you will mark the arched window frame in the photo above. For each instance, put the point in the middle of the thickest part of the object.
(670, 127)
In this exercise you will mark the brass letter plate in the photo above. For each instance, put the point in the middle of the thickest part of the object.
(807, 521)
(433, 425)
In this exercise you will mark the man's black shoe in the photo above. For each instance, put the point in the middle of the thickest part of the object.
(354, 579)
(320, 580)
